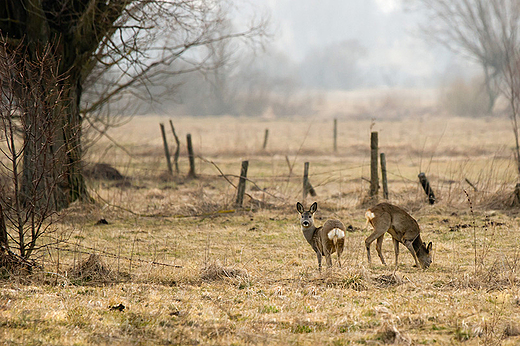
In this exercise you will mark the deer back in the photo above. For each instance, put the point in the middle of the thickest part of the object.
(403, 227)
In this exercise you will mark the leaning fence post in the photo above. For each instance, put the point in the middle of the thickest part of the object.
(241, 189)
(166, 150)
(427, 188)
(176, 155)
(266, 136)
(374, 179)
(191, 156)
(383, 176)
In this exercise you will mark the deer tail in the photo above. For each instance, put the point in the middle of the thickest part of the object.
(369, 216)
(335, 234)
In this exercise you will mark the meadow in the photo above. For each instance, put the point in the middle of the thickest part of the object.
(177, 263)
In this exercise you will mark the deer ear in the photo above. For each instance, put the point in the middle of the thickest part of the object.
(299, 207)
(429, 247)
(314, 207)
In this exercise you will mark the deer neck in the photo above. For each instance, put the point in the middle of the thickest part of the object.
(417, 243)
(308, 233)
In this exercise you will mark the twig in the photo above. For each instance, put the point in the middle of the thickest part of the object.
(225, 176)
(470, 184)
(111, 255)
(105, 134)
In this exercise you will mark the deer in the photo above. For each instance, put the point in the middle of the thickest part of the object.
(324, 240)
(403, 228)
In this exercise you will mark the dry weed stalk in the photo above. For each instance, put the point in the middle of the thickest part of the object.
(474, 229)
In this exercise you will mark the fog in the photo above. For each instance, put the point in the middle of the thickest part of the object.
(396, 52)
(317, 49)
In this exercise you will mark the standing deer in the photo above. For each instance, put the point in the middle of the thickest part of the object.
(325, 240)
(403, 228)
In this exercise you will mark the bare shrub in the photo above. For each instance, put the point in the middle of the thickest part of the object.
(464, 98)
(32, 154)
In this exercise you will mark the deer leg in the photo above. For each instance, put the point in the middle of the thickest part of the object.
(318, 255)
(379, 246)
(381, 224)
(339, 251)
(396, 250)
(369, 241)
(409, 246)
(328, 258)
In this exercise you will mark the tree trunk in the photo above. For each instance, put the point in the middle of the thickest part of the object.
(490, 91)
(56, 179)
(4, 238)
(52, 168)
(73, 187)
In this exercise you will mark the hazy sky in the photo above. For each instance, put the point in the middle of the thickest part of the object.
(382, 26)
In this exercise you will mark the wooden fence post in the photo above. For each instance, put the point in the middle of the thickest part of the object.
(427, 188)
(335, 135)
(166, 150)
(266, 136)
(241, 189)
(374, 179)
(383, 176)
(191, 156)
(305, 180)
(176, 155)
(307, 186)
(516, 195)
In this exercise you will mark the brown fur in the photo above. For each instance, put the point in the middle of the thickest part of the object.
(318, 237)
(403, 228)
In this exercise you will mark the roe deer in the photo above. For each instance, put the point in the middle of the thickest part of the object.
(325, 240)
(403, 228)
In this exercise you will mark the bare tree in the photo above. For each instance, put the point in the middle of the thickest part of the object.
(29, 120)
(123, 43)
(488, 31)
(475, 28)
(510, 45)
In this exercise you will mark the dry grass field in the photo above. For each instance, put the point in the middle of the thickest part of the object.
(190, 269)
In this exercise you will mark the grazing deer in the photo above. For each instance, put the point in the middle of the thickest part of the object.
(325, 240)
(403, 228)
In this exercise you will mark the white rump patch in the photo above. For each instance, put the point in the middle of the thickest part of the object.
(370, 216)
(336, 233)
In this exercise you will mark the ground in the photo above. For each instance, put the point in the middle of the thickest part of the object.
(178, 263)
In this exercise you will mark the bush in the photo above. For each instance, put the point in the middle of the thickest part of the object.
(465, 98)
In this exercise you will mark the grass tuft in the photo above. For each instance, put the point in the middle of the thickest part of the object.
(215, 271)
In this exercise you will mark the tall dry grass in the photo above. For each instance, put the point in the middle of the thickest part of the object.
(189, 269)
